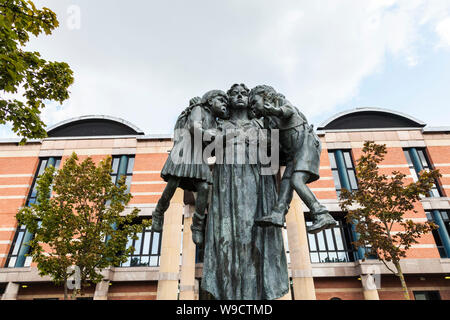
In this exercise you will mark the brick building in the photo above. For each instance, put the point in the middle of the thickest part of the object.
(322, 266)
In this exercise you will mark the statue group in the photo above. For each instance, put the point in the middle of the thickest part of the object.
(239, 214)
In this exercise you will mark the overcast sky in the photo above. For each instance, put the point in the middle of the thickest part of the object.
(143, 60)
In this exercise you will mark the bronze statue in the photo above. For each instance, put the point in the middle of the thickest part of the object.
(244, 255)
(241, 260)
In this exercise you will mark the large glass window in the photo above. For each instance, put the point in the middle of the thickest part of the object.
(17, 258)
(122, 165)
(147, 249)
(17, 255)
(43, 164)
(437, 238)
(427, 295)
(332, 245)
(417, 161)
(343, 170)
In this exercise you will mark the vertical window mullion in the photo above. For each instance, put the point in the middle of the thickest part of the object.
(334, 240)
(142, 244)
(150, 250)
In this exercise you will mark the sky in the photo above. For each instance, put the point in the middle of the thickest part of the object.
(143, 60)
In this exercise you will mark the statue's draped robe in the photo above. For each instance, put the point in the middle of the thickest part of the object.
(242, 260)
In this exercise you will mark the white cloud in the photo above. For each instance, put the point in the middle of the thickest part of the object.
(443, 30)
(144, 61)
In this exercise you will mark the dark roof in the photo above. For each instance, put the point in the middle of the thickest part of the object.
(370, 118)
(93, 126)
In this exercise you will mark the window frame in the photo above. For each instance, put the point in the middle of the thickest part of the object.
(346, 241)
(20, 228)
(141, 254)
(115, 175)
(445, 215)
(348, 156)
(426, 164)
(429, 294)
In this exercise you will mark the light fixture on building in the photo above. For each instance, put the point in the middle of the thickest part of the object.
(24, 286)
(447, 277)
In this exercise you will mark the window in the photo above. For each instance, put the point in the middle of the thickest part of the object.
(427, 295)
(19, 249)
(2, 288)
(417, 161)
(17, 258)
(43, 164)
(436, 233)
(147, 249)
(344, 176)
(343, 170)
(332, 245)
(122, 165)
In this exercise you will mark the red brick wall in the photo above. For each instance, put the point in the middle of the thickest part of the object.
(350, 288)
(142, 290)
(345, 288)
(391, 288)
(9, 207)
(152, 164)
(440, 156)
(47, 290)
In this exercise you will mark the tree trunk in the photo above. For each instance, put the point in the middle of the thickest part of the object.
(65, 289)
(74, 293)
(402, 280)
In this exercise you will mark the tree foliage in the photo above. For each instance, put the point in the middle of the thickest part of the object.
(25, 70)
(71, 226)
(378, 208)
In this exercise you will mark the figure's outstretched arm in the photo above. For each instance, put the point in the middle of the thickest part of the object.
(287, 110)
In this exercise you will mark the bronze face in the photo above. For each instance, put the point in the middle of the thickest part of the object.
(257, 104)
(219, 106)
(238, 98)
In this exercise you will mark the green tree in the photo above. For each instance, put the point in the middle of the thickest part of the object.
(379, 206)
(71, 226)
(25, 70)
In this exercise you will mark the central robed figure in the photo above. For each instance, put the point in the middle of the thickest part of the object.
(241, 234)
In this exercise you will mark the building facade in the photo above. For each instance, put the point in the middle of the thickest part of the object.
(168, 266)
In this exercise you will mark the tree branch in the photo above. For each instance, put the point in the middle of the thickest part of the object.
(384, 262)
(16, 9)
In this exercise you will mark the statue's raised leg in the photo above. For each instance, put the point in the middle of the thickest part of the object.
(163, 204)
(198, 220)
(321, 218)
(280, 209)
